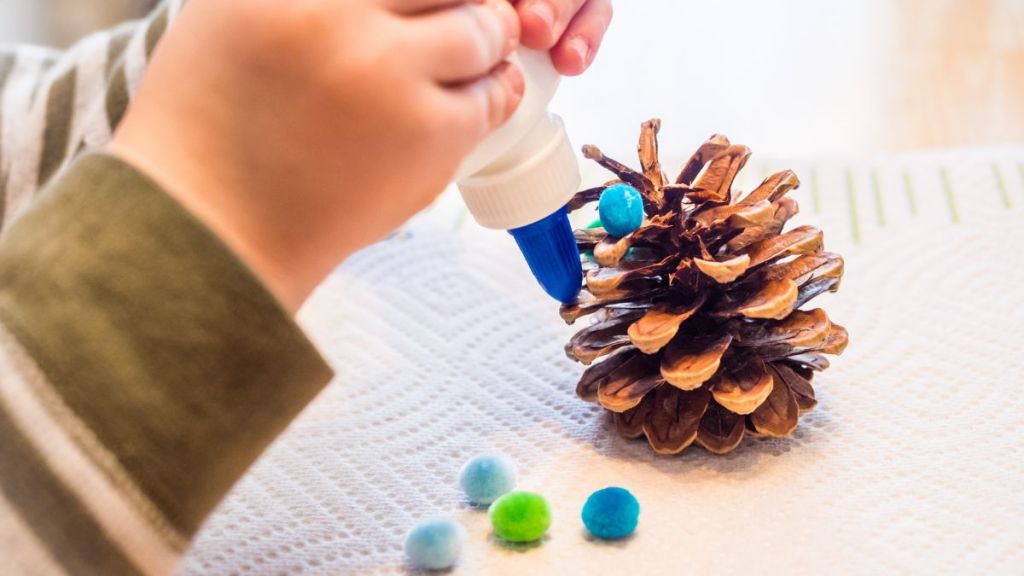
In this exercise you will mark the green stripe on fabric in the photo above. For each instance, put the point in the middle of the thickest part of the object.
(876, 188)
(851, 195)
(947, 185)
(56, 517)
(908, 187)
(60, 110)
(117, 97)
(815, 191)
(163, 343)
(156, 30)
(7, 62)
(5, 178)
(116, 47)
(1020, 170)
(46, 62)
(1001, 184)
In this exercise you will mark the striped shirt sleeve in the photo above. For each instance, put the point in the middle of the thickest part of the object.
(54, 106)
(143, 367)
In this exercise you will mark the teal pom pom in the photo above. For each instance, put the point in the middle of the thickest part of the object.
(435, 544)
(621, 209)
(611, 513)
(486, 478)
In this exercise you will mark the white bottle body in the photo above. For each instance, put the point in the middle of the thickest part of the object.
(527, 169)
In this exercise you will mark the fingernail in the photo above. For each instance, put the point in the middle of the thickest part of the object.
(582, 49)
(544, 12)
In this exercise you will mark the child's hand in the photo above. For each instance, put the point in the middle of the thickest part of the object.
(571, 29)
(301, 131)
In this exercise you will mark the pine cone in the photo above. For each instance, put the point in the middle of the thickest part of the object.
(698, 325)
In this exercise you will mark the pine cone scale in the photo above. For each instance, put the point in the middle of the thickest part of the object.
(714, 182)
(798, 385)
(626, 391)
(773, 187)
(726, 271)
(720, 430)
(802, 240)
(778, 415)
(673, 418)
(743, 391)
(659, 325)
(688, 363)
(774, 301)
(785, 209)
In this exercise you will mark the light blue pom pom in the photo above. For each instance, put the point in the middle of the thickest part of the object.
(486, 478)
(435, 544)
(621, 209)
(611, 513)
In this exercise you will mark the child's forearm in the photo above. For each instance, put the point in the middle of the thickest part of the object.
(142, 369)
(55, 106)
(142, 366)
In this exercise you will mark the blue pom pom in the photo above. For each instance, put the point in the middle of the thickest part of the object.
(486, 478)
(435, 544)
(621, 209)
(611, 513)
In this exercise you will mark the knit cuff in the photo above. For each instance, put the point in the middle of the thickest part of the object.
(154, 334)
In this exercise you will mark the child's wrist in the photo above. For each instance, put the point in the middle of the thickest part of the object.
(220, 207)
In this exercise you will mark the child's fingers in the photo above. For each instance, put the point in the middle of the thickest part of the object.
(465, 42)
(420, 6)
(544, 21)
(482, 105)
(575, 51)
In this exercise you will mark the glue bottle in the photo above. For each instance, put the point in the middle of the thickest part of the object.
(522, 176)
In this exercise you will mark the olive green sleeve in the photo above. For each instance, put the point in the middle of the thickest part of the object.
(152, 336)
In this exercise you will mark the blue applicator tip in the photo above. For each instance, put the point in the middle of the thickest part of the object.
(550, 250)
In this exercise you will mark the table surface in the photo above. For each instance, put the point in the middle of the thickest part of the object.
(911, 463)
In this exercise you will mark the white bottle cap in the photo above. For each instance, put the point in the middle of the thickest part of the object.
(526, 169)
(530, 181)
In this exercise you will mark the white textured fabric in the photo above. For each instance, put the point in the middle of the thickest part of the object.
(913, 461)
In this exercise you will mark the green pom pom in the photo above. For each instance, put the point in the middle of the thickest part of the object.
(520, 516)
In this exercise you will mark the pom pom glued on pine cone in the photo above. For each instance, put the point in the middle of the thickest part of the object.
(699, 332)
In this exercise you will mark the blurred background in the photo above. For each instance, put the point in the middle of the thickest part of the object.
(61, 22)
(847, 78)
